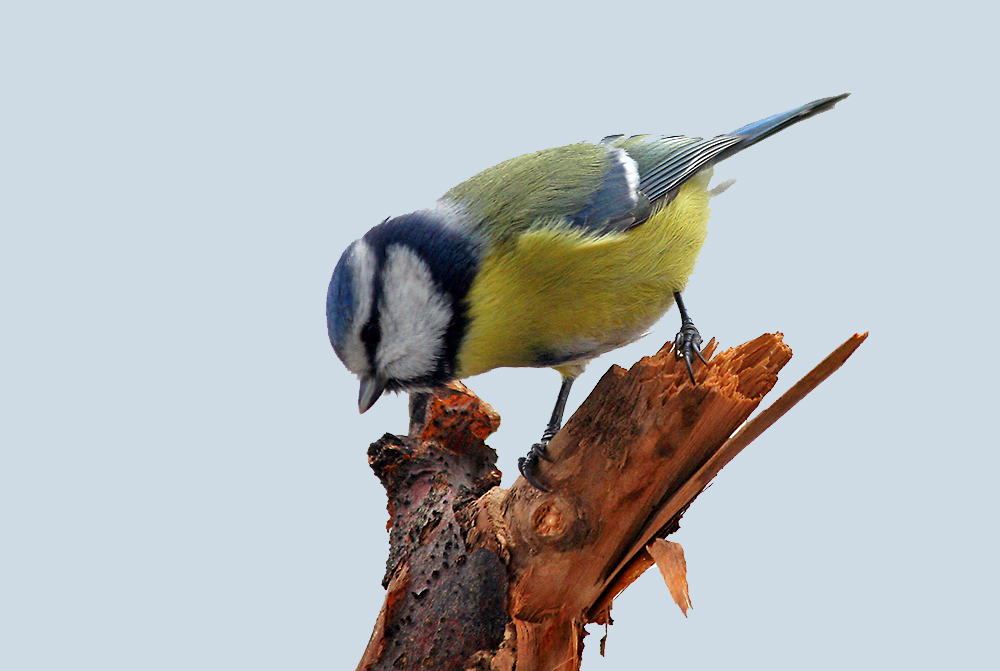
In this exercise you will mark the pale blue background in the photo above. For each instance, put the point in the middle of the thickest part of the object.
(183, 482)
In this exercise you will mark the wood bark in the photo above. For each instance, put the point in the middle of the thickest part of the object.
(480, 577)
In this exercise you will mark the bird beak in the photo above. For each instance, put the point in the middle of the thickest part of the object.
(371, 391)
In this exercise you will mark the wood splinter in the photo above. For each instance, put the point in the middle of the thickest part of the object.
(480, 577)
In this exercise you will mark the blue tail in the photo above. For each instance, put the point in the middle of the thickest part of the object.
(758, 130)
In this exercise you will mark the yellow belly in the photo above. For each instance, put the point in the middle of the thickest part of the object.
(554, 291)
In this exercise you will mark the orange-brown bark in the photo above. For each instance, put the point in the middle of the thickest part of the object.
(485, 578)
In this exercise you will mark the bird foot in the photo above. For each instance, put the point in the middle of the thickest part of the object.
(527, 465)
(687, 345)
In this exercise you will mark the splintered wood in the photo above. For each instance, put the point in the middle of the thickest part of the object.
(622, 472)
(635, 441)
(669, 558)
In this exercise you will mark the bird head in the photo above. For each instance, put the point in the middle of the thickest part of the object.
(395, 312)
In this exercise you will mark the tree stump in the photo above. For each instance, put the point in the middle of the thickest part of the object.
(480, 577)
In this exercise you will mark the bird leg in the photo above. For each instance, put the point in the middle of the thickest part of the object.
(687, 344)
(528, 464)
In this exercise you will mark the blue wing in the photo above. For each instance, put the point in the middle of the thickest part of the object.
(617, 204)
(665, 163)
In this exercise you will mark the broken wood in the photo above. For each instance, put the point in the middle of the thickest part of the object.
(480, 577)
(669, 558)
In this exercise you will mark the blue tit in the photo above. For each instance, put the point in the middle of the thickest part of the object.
(549, 259)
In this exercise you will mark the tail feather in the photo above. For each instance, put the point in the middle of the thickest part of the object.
(759, 130)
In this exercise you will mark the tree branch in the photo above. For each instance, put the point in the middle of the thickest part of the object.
(480, 577)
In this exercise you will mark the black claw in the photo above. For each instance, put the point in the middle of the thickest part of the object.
(687, 345)
(687, 362)
(526, 465)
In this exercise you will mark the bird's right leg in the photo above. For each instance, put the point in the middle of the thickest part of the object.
(687, 344)
(528, 464)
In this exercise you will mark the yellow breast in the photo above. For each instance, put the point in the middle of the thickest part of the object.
(554, 291)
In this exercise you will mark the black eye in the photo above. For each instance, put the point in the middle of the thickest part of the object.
(370, 334)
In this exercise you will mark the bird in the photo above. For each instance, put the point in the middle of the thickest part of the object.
(549, 259)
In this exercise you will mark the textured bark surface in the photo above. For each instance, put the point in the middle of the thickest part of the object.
(445, 601)
(480, 577)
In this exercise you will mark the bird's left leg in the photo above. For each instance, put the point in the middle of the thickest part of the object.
(687, 344)
(528, 464)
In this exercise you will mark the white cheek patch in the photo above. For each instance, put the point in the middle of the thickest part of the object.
(362, 269)
(414, 316)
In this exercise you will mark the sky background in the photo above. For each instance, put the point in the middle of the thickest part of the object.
(183, 479)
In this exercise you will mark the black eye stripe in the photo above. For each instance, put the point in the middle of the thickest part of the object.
(370, 332)
(370, 335)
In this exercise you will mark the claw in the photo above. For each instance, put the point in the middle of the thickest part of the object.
(687, 345)
(526, 465)
(687, 362)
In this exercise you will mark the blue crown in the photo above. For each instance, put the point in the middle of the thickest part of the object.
(340, 301)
